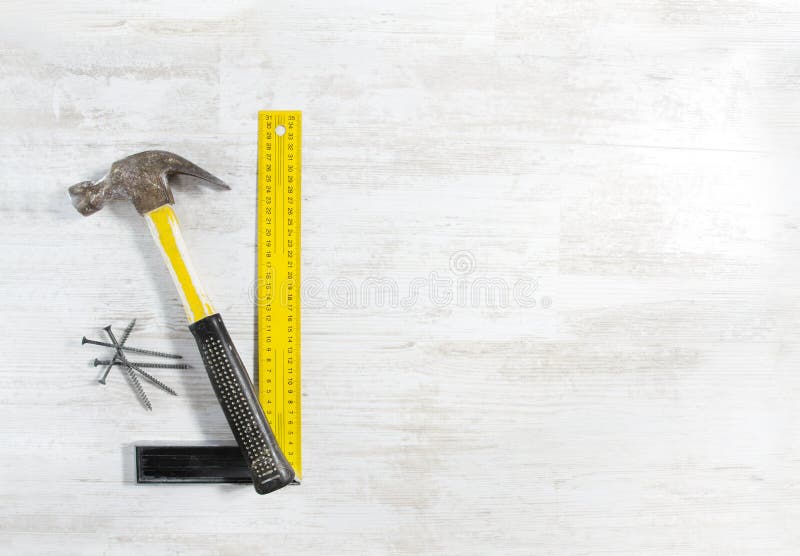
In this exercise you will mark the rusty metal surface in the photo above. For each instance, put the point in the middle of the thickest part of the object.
(143, 178)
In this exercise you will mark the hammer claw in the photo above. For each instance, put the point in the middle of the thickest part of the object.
(179, 165)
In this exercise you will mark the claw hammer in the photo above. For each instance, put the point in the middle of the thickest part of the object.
(143, 179)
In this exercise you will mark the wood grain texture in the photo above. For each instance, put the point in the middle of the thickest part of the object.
(634, 160)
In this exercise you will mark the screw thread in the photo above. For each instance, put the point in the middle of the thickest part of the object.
(98, 362)
(156, 353)
(127, 332)
(151, 352)
(85, 340)
(137, 386)
(153, 379)
(163, 365)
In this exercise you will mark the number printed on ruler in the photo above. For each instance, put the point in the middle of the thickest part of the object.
(278, 292)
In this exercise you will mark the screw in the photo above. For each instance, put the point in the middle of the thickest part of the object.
(137, 386)
(98, 362)
(126, 333)
(124, 339)
(133, 367)
(154, 380)
(86, 340)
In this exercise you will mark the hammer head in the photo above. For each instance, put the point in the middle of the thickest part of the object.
(143, 178)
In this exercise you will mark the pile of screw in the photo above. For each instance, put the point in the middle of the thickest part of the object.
(131, 368)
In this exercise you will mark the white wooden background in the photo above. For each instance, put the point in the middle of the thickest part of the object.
(632, 157)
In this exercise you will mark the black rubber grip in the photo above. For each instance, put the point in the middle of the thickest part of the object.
(263, 456)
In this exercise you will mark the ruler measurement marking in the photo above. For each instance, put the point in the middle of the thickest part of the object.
(283, 196)
(280, 200)
(279, 311)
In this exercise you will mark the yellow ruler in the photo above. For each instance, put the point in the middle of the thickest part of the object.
(278, 291)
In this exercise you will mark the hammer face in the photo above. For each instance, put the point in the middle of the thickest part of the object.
(87, 197)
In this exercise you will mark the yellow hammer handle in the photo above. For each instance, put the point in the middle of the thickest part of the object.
(166, 231)
(228, 375)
